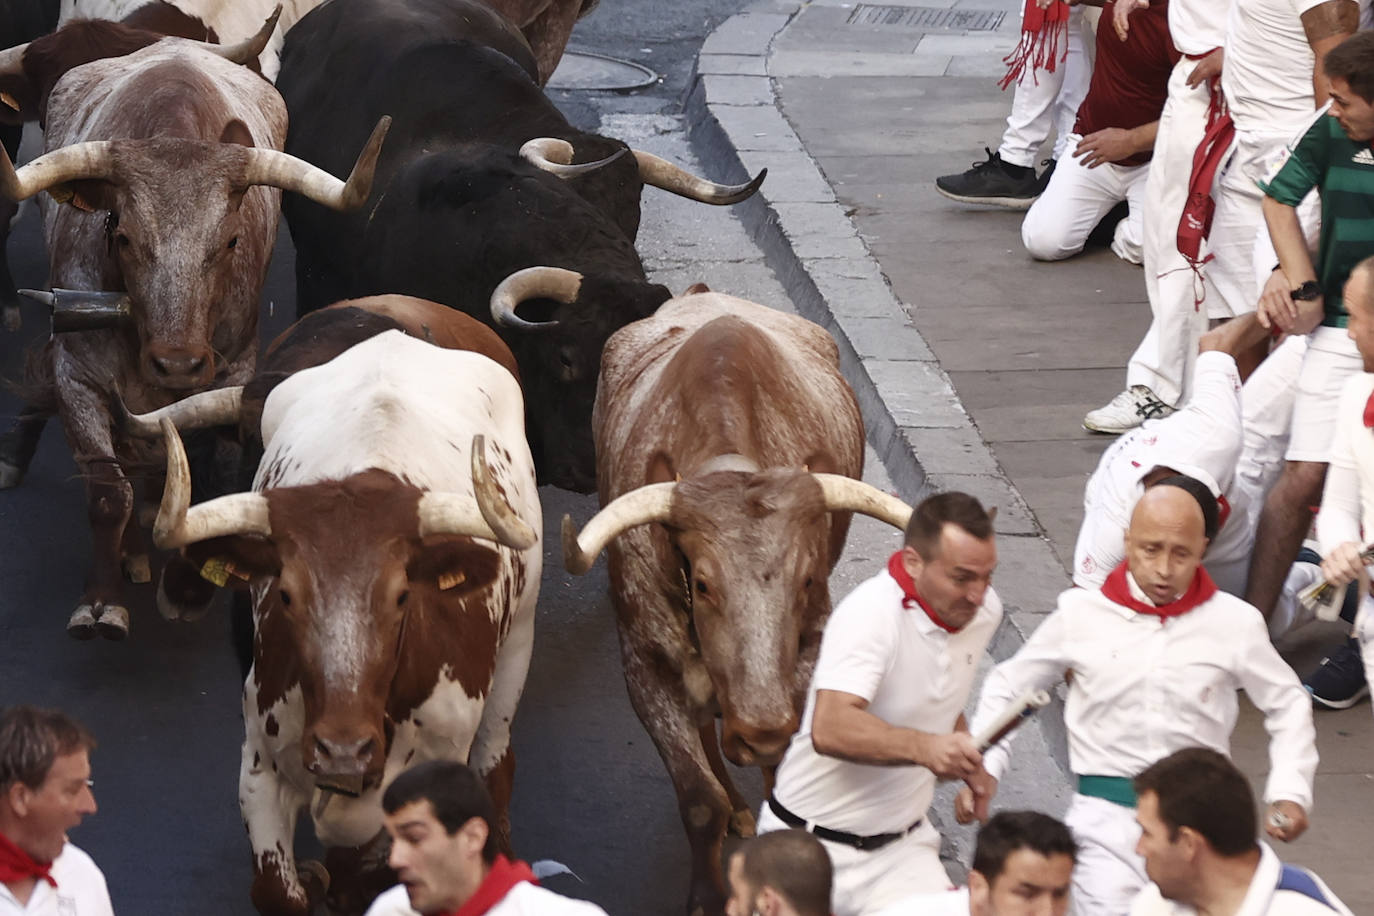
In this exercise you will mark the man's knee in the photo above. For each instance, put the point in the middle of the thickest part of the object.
(1045, 238)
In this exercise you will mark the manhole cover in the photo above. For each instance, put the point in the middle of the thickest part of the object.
(926, 17)
(589, 70)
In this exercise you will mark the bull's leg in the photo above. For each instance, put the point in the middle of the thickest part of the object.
(358, 875)
(10, 135)
(134, 550)
(19, 443)
(109, 503)
(500, 783)
(548, 35)
(741, 818)
(270, 807)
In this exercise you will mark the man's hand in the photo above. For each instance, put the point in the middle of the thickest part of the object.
(1277, 308)
(1111, 144)
(1343, 565)
(1285, 820)
(1207, 68)
(1121, 15)
(973, 801)
(952, 756)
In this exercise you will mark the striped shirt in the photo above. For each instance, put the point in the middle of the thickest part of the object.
(1343, 172)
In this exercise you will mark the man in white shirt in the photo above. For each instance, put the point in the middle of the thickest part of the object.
(884, 715)
(783, 873)
(45, 790)
(1156, 656)
(443, 848)
(1197, 835)
(1022, 866)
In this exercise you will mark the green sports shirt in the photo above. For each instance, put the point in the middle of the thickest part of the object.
(1342, 171)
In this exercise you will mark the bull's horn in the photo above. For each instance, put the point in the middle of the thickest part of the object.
(68, 163)
(178, 523)
(494, 519)
(220, 407)
(845, 494)
(663, 174)
(282, 170)
(647, 504)
(247, 50)
(533, 283)
(555, 156)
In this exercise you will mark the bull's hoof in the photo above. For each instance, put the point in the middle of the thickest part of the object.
(314, 877)
(112, 621)
(173, 609)
(13, 320)
(742, 823)
(137, 569)
(10, 475)
(82, 623)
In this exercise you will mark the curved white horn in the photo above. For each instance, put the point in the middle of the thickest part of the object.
(555, 156)
(92, 159)
(220, 407)
(492, 518)
(282, 170)
(663, 174)
(248, 49)
(845, 494)
(533, 283)
(179, 523)
(649, 503)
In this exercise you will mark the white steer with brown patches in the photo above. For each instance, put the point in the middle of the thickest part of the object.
(729, 451)
(392, 547)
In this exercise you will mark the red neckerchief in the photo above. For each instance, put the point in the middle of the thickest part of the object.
(897, 571)
(18, 865)
(1369, 412)
(1044, 41)
(503, 876)
(1119, 592)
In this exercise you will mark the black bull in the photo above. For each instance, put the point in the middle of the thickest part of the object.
(455, 209)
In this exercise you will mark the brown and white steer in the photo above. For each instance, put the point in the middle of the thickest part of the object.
(170, 165)
(729, 449)
(392, 547)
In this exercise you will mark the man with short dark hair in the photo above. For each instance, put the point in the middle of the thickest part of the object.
(884, 713)
(1022, 866)
(784, 873)
(444, 851)
(45, 790)
(1197, 836)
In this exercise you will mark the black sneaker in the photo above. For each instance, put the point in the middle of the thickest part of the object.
(1043, 181)
(1338, 682)
(992, 182)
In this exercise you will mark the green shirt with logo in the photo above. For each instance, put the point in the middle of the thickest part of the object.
(1343, 172)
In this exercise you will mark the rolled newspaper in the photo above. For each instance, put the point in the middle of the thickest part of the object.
(1021, 709)
(1324, 599)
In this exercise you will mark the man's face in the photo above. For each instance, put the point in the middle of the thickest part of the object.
(1166, 860)
(58, 805)
(1165, 542)
(440, 871)
(954, 581)
(1355, 115)
(1359, 301)
(1030, 885)
(741, 902)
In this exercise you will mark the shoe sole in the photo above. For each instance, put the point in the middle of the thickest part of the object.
(1338, 704)
(1006, 203)
(1107, 431)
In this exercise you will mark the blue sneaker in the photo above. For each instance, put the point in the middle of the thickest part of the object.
(1339, 682)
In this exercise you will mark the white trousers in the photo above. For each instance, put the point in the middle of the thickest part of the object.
(866, 882)
(1077, 197)
(1108, 873)
(1233, 277)
(1364, 635)
(1164, 360)
(1043, 100)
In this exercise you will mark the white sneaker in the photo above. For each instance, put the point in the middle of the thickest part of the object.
(1127, 410)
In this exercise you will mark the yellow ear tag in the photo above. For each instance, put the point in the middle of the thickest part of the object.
(9, 100)
(216, 570)
(450, 580)
(61, 193)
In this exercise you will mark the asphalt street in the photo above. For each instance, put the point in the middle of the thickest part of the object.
(590, 790)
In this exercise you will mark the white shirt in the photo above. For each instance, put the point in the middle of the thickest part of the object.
(948, 903)
(524, 899)
(1198, 26)
(1144, 687)
(80, 890)
(1275, 890)
(1348, 499)
(913, 675)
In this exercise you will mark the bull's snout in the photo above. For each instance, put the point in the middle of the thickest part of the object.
(178, 367)
(752, 745)
(350, 764)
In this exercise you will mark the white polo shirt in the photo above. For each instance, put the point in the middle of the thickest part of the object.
(1144, 687)
(1348, 500)
(949, 903)
(524, 899)
(1275, 890)
(80, 890)
(1199, 26)
(913, 675)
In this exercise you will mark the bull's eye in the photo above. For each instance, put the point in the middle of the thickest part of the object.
(122, 239)
(701, 588)
(808, 582)
(285, 598)
(401, 598)
(234, 242)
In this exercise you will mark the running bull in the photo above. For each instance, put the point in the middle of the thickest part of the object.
(729, 451)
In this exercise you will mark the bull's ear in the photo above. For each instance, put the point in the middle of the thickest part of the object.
(237, 132)
(821, 463)
(454, 565)
(234, 562)
(89, 194)
(661, 469)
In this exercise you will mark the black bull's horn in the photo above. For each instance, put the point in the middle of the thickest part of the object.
(555, 155)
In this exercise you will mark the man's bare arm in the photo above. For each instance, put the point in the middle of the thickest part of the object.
(1327, 25)
(843, 727)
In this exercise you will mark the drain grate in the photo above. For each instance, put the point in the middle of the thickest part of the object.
(925, 17)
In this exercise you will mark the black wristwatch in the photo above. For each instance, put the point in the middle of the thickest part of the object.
(1307, 292)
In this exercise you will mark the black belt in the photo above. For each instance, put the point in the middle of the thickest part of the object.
(864, 843)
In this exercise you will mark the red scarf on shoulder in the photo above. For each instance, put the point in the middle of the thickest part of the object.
(17, 865)
(897, 571)
(503, 876)
(1118, 591)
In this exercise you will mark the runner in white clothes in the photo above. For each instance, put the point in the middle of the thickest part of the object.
(884, 714)
(1156, 656)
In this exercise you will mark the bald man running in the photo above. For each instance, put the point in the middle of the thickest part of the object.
(1157, 655)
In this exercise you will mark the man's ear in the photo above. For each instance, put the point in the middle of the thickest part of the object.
(768, 902)
(912, 561)
(979, 892)
(17, 798)
(474, 833)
